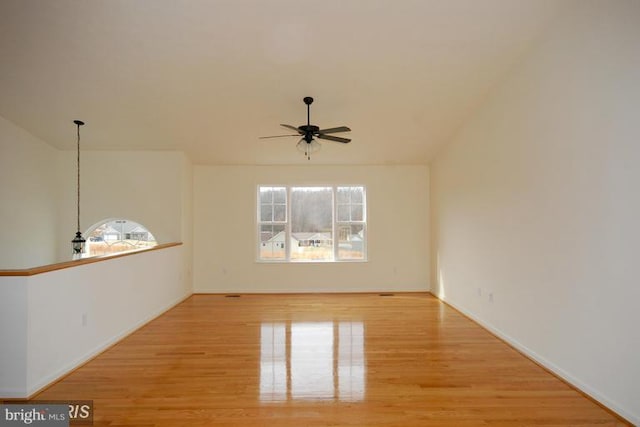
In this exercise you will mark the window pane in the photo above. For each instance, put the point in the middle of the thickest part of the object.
(279, 212)
(357, 194)
(266, 213)
(343, 195)
(343, 213)
(356, 213)
(272, 242)
(311, 223)
(279, 195)
(351, 242)
(266, 195)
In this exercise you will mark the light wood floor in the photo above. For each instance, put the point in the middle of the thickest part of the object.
(321, 360)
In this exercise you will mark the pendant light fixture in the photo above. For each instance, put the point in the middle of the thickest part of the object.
(78, 241)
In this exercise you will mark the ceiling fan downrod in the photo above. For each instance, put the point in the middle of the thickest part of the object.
(308, 100)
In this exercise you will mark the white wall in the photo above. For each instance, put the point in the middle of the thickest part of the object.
(66, 316)
(225, 222)
(27, 199)
(186, 214)
(144, 186)
(537, 201)
(13, 336)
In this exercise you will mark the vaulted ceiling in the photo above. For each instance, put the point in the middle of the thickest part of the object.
(209, 77)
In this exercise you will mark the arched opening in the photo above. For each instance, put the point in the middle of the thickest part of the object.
(118, 235)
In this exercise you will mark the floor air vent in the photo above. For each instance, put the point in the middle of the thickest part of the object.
(232, 296)
(386, 295)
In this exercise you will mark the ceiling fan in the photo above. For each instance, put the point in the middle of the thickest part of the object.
(307, 143)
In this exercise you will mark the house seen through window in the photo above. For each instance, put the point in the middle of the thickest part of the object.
(311, 223)
(118, 235)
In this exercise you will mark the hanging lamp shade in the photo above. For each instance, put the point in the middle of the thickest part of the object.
(308, 147)
(78, 242)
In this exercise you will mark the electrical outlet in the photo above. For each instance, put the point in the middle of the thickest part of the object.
(84, 319)
(479, 291)
(490, 296)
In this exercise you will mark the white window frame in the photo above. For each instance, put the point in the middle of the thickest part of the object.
(335, 224)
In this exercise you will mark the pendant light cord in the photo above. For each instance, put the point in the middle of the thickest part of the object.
(78, 186)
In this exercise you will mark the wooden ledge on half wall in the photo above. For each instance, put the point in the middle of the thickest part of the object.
(82, 261)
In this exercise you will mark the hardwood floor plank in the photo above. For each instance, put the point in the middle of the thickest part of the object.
(321, 360)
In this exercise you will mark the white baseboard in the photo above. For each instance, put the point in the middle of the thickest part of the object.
(309, 291)
(55, 376)
(572, 380)
(12, 394)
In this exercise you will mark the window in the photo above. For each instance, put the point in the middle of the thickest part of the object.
(311, 223)
(119, 235)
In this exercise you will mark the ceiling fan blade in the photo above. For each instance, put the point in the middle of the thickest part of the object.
(333, 138)
(293, 128)
(334, 130)
(275, 136)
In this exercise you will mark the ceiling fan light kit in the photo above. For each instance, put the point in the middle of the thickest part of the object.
(309, 132)
(308, 147)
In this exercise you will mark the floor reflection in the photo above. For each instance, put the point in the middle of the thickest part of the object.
(312, 361)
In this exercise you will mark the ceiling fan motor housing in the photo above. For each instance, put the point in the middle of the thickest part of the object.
(309, 131)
